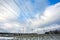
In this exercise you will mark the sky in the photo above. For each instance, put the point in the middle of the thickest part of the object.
(29, 16)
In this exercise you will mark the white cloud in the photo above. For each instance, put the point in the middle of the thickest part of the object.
(12, 26)
(50, 15)
(9, 12)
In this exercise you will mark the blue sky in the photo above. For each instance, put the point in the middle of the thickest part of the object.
(54, 1)
(29, 16)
